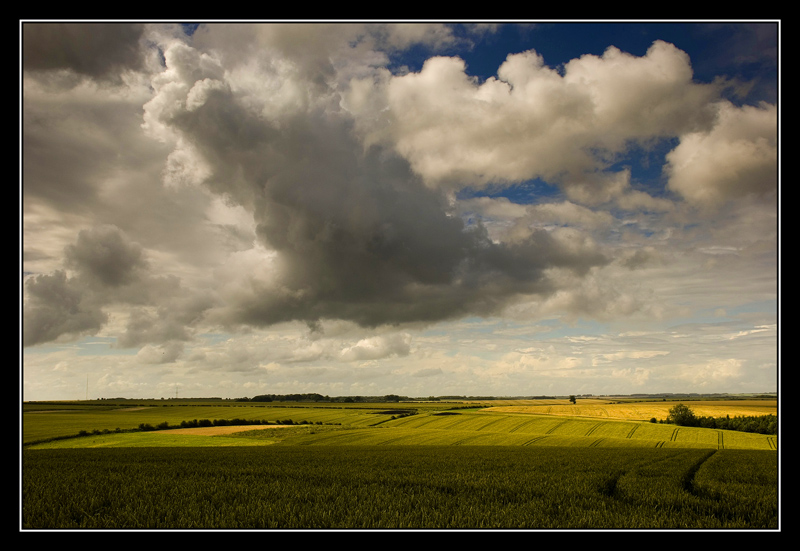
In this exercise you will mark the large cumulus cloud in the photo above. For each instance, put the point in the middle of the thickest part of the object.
(735, 158)
(355, 232)
(532, 120)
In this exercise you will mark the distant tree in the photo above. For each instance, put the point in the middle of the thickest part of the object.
(572, 398)
(681, 415)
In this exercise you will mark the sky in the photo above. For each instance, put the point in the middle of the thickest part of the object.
(445, 208)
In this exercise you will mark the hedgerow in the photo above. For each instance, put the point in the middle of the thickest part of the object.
(762, 424)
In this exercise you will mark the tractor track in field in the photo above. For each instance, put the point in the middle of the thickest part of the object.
(688, 478)
(593, 428)
(609, 485)
(554, 427)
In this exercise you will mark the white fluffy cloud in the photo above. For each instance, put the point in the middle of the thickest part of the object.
(736, 157)
(533, 120)
(374, 348)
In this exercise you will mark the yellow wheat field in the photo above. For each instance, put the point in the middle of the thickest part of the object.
(644, 411)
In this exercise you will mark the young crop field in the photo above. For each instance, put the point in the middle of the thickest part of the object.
(399, 466)
(409, 487)
(588, 432)
(381, 426)
(46, 424)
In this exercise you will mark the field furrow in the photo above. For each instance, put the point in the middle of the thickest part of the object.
(405, 486)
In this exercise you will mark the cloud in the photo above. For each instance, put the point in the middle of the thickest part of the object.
(735, 158)
(356, 234)
(105, 269)
(712, 372)
(76, 141)
(375, 348)
(56, 307)
(153, 325)
(96, 50)
(104, 255)
(534, 121)
(167, 353)
(268, 204)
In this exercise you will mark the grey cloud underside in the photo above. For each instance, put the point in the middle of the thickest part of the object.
(103, 254)
(56, 307)
(108, 269)
(98, 50)
(358, 235)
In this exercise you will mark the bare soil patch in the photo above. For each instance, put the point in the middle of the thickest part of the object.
(214, 431)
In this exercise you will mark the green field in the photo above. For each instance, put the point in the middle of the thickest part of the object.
(395, 465)
(383, 424)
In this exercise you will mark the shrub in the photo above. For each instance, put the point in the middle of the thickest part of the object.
(681, 415)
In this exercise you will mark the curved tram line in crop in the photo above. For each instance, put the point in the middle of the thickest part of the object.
(377, 487)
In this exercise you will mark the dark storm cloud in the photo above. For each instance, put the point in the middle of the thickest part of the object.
(73, 142)
(358, 235)
(57, 306)
(106, 256)
(95, 50)
(107, 269)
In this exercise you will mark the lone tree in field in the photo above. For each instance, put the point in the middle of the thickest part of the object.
(681, 415)
(572, 398)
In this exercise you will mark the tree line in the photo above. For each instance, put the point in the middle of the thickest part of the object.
(314, 397)
(683, 415)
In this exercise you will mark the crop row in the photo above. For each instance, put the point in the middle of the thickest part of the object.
(516, 427)
(407, 487)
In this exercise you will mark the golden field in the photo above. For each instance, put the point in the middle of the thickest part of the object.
(643, 411)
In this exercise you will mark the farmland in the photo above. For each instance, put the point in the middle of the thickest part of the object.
(642, 411)
(420, 465)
